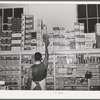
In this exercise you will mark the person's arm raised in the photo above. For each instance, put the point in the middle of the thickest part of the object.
(46, 41)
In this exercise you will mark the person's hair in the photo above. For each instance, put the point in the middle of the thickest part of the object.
(37, 56)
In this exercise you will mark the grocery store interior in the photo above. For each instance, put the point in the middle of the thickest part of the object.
(74, 54)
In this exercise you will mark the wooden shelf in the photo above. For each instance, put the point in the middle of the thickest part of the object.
(72, 51)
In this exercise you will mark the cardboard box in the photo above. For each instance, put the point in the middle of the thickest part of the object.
(98, 41)
(88, 45)
(90, 37)
(97, 29)
(15, 48)
(81, 28)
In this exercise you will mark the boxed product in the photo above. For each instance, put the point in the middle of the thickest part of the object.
(80, 38)
(15, 48)
(98, 41)
(97, 29)
(90, 37)
(56, 30)
(16, 41)
(39, 36)
(81, 28)
(88, 45)
(77, 33)
(77, 26)
(78, 46)
(62, 30)
(16, 34)
(72, 34)
(49, 87)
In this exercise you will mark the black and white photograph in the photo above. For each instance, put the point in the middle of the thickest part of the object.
(50, 47)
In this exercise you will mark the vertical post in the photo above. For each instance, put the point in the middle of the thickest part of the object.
(88, 84)
(54, 71)
(20, 71)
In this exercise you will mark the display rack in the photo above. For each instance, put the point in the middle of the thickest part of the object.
(54, 80)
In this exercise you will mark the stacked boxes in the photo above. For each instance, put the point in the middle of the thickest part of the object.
(6, 41)
(72, 39)
(97, 30)
(16, 41)
(33, 40)
(28, 31)
(80, 41)
(56, 38)
(39, 34)
(68, 38)
(16, 34)
(79, 35)
(6, 37)
(62, 39)
(16, 25)
(0, 30)
(90, 39)
(81, 28)
(77, 28)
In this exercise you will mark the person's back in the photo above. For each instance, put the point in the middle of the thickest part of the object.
(37, 72)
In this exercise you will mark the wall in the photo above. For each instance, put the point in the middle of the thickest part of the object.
(54, 14)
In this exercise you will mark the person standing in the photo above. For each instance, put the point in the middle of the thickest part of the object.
(37, 72)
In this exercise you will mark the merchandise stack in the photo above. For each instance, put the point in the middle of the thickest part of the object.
(79, 35)
(33, 40)
(70, 40)
(0, 31)
(27, 28)
(62, 39)
(56, 38)
(97, 30)
(41, 29)
(90, 40)
(50, 74)
(16, 34)
(10, 71)
(6, 35)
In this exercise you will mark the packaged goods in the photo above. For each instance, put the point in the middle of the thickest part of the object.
(76, 26)
(97, 29)
(90, 37)
(15, 48)
(88, 45)
(56, 30)
(98, 41)
(81, 28)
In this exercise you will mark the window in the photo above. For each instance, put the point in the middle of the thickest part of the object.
(9, 12)
(89, 15)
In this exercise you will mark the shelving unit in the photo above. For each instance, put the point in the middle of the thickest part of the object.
(66, 80)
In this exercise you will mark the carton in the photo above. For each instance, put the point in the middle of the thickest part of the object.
(90, 37)
(97, 29)
(76, 26)
(98, 41)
